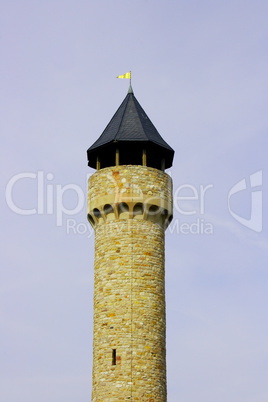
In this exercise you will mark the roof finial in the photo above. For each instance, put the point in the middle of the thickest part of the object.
(130, 90)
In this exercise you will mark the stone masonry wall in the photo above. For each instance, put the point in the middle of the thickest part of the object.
(129, 352)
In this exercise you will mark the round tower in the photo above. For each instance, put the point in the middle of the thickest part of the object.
(129, 206)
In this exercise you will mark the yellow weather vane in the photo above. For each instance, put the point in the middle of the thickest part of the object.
(126, 75)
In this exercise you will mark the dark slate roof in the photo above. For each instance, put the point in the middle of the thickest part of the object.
(130, 123)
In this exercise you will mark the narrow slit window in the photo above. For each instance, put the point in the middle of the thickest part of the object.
(114, 357)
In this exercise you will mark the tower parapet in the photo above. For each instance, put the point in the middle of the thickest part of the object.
(134, 192)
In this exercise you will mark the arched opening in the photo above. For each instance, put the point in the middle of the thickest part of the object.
(97, 214)
(169, 220)
(109, 212)
(164, 215)
(91, 220)
(138, 211)
(123, 211)
(154, 214)
(154, 210)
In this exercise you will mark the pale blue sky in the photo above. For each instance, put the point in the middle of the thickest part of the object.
(200, 72)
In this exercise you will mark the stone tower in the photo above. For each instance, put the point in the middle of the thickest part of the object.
(129, 207)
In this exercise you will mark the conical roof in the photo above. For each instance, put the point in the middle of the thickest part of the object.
(130, 129)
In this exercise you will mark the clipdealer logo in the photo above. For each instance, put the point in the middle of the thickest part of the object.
(189, 201)
(255, 221)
